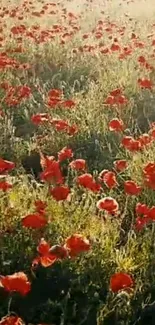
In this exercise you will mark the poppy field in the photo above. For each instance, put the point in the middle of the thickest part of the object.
(77, 162)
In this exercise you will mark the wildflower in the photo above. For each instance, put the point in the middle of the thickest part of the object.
(78, 164)
(116, 125)
(131, 188)
(60, 193)
(77, 244)
(120, 281)
(34, 220)
(120, 165)
(16, 282)
(108, 204)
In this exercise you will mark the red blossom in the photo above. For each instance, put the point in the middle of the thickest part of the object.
(52, 172)
(120, 281)
(5, 186)
(43, 247)
(55, 93)
(78, 164)
(142, 209)
(60, 193)
(116, 125)
(109, 179)
(49, 255)
(116, 92)
(145, 83)
(16, 282)
(65, 153)
(34, 220)
(68, 103)
(131, 188)
(40, 206)
(120, 165)
(41, 118)
(131, 144)
(149, 175)
(77, 244)
(11, 320)
(108, 204)
(86, 180)
(6, 166)
(141, 222)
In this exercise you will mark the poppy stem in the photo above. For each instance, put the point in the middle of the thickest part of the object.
(9, 305)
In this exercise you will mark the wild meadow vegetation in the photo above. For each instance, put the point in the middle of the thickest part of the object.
(77, 162)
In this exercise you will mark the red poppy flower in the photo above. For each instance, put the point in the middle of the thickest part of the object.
(115, 47)
(152, 133)
(149, 175)
(151, 214)
(121, 100)
(49, 255)
(46, 161)
(6, 165)
(131, 144)
(149, 168)
(145, 83)
(145, 139)
(78, 164)
(120, 165)
(142, 209)
(40, 118)
(68, 103)
(72, 130)
(108, 204)
(120, 281)
(23, 92)
(60, 193)
(16, 30)
(40, 206)
(53, 102)
(102, 174)
(116, 125)
(11, 320)
(52, 172)
(44, 260)
(116, 92)
(16, 282)
(43, 247)
(131, 188)
(116, 100)
(77, 244)
(65, 153)
(5, 186)
(34, 220)
(110, 100)
(55, 93)
(94, 187)
(85, 180)
(141, 222)
(109, 179)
